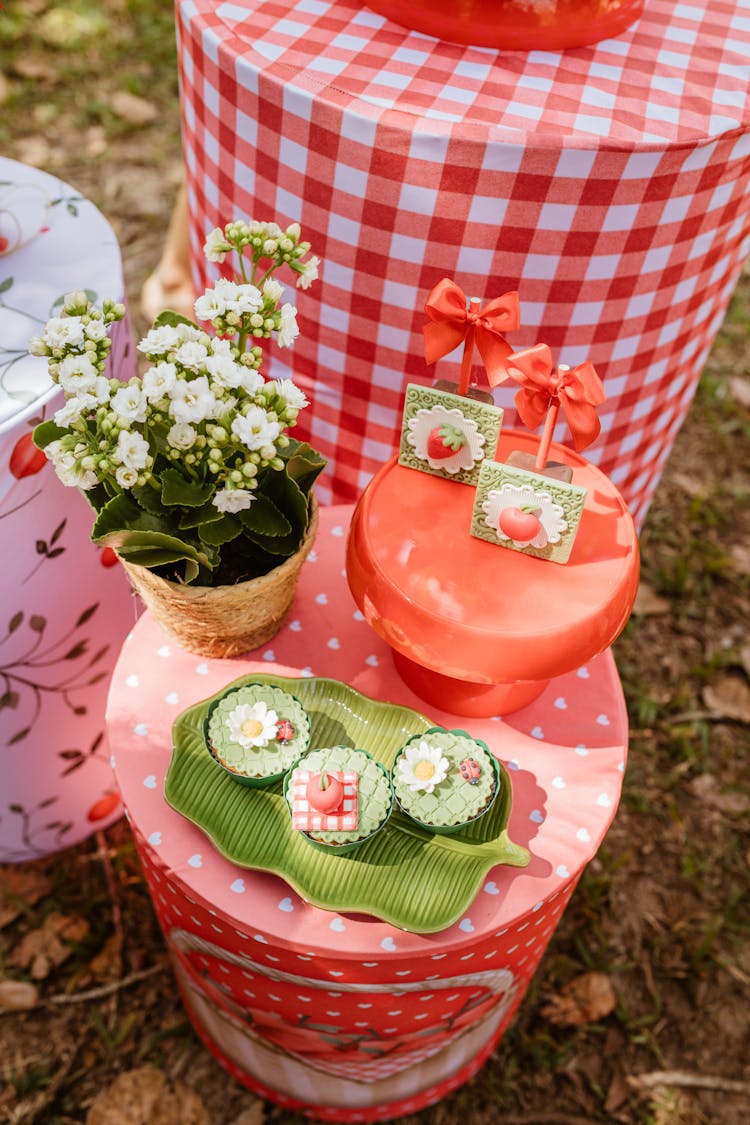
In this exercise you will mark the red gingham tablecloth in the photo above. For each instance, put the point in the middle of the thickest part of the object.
(609, 184)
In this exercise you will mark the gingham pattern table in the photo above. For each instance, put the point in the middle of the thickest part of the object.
(608, 184)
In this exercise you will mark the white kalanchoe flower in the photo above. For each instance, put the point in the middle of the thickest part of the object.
(291, 393)
(182, 436)
(187, 332)
(95, 330)
(210, 305)
(224, 371)
(72, 474)
(272, 289)
(216, 246)
(233, 499)
(251, 380)
(254, 429)
(246, 299)
(72, 410)
(192, 400)
(308, 272)
(131, 450)
(76, 373)
(129, 403)
(101, 390)
(191, 355)
(288, 328)
(126, 477)
(159, 380)
(252, 724)
(159, 341)
(63, 332)
(422, 766)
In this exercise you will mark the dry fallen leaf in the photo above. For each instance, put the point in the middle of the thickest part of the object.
(43, 949)
(20, 887)
(729, 697)
(107, 964)
(731, 802)
(146, 1097)
(252, 1116)
(131, 108)
(650, 604)
(17, 995)
(585, 999)
(739, 389)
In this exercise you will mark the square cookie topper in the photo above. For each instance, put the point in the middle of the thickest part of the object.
(526, 511)
(447, 435)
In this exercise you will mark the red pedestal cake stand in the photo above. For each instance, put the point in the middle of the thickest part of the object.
(475, 628)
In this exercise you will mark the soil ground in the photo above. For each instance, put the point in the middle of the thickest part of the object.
(88, 92)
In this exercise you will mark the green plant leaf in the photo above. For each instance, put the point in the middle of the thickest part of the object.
(220, 531)
(188, 494)
(124, 525)
(196, 517)
(303, 464)
(148, 498)
(265, 518)
(171, 319)
(47, 432)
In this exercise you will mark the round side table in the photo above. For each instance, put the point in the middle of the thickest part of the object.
(343, 1016)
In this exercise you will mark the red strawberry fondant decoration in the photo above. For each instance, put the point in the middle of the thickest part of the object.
(521, 524)
(444, 441)
(324, 792)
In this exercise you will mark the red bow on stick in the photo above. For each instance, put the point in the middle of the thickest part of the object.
(451, 323)
(578, 390)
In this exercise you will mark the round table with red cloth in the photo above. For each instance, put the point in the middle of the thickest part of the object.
(342, 1015)
(609, 184)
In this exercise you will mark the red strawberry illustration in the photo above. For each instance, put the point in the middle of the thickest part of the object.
(521, 524)
(444, 441)
(103, 807)
(108, 557)
(26, 459)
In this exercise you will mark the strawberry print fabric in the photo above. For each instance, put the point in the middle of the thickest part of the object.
(608, 184)
(65, 604)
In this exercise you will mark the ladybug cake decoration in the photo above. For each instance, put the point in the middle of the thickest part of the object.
(528, 503)
(449, 429)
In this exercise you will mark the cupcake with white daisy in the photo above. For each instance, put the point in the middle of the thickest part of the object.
(444, 779)
(256, 732)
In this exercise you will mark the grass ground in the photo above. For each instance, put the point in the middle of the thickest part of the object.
(664, 909)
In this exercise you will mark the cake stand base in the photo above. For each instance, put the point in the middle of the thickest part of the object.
(463, 697)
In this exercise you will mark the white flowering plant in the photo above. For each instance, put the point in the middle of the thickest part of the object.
(189, 466)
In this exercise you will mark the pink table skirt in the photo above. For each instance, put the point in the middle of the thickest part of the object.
(64, 606)
(609, 184)
(344, 1016)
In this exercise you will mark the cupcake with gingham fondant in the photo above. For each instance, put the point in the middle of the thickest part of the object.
(445, 779)
(338, 797)
(256, 732)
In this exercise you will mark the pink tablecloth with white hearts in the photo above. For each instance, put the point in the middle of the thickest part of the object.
(347, 1017)
(609, 184)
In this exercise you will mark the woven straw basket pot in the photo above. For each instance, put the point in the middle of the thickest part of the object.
(222, 621)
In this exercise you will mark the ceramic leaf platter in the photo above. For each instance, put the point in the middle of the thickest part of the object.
(406, 875)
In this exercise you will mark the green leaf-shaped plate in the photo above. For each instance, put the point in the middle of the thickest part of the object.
(405, 874)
